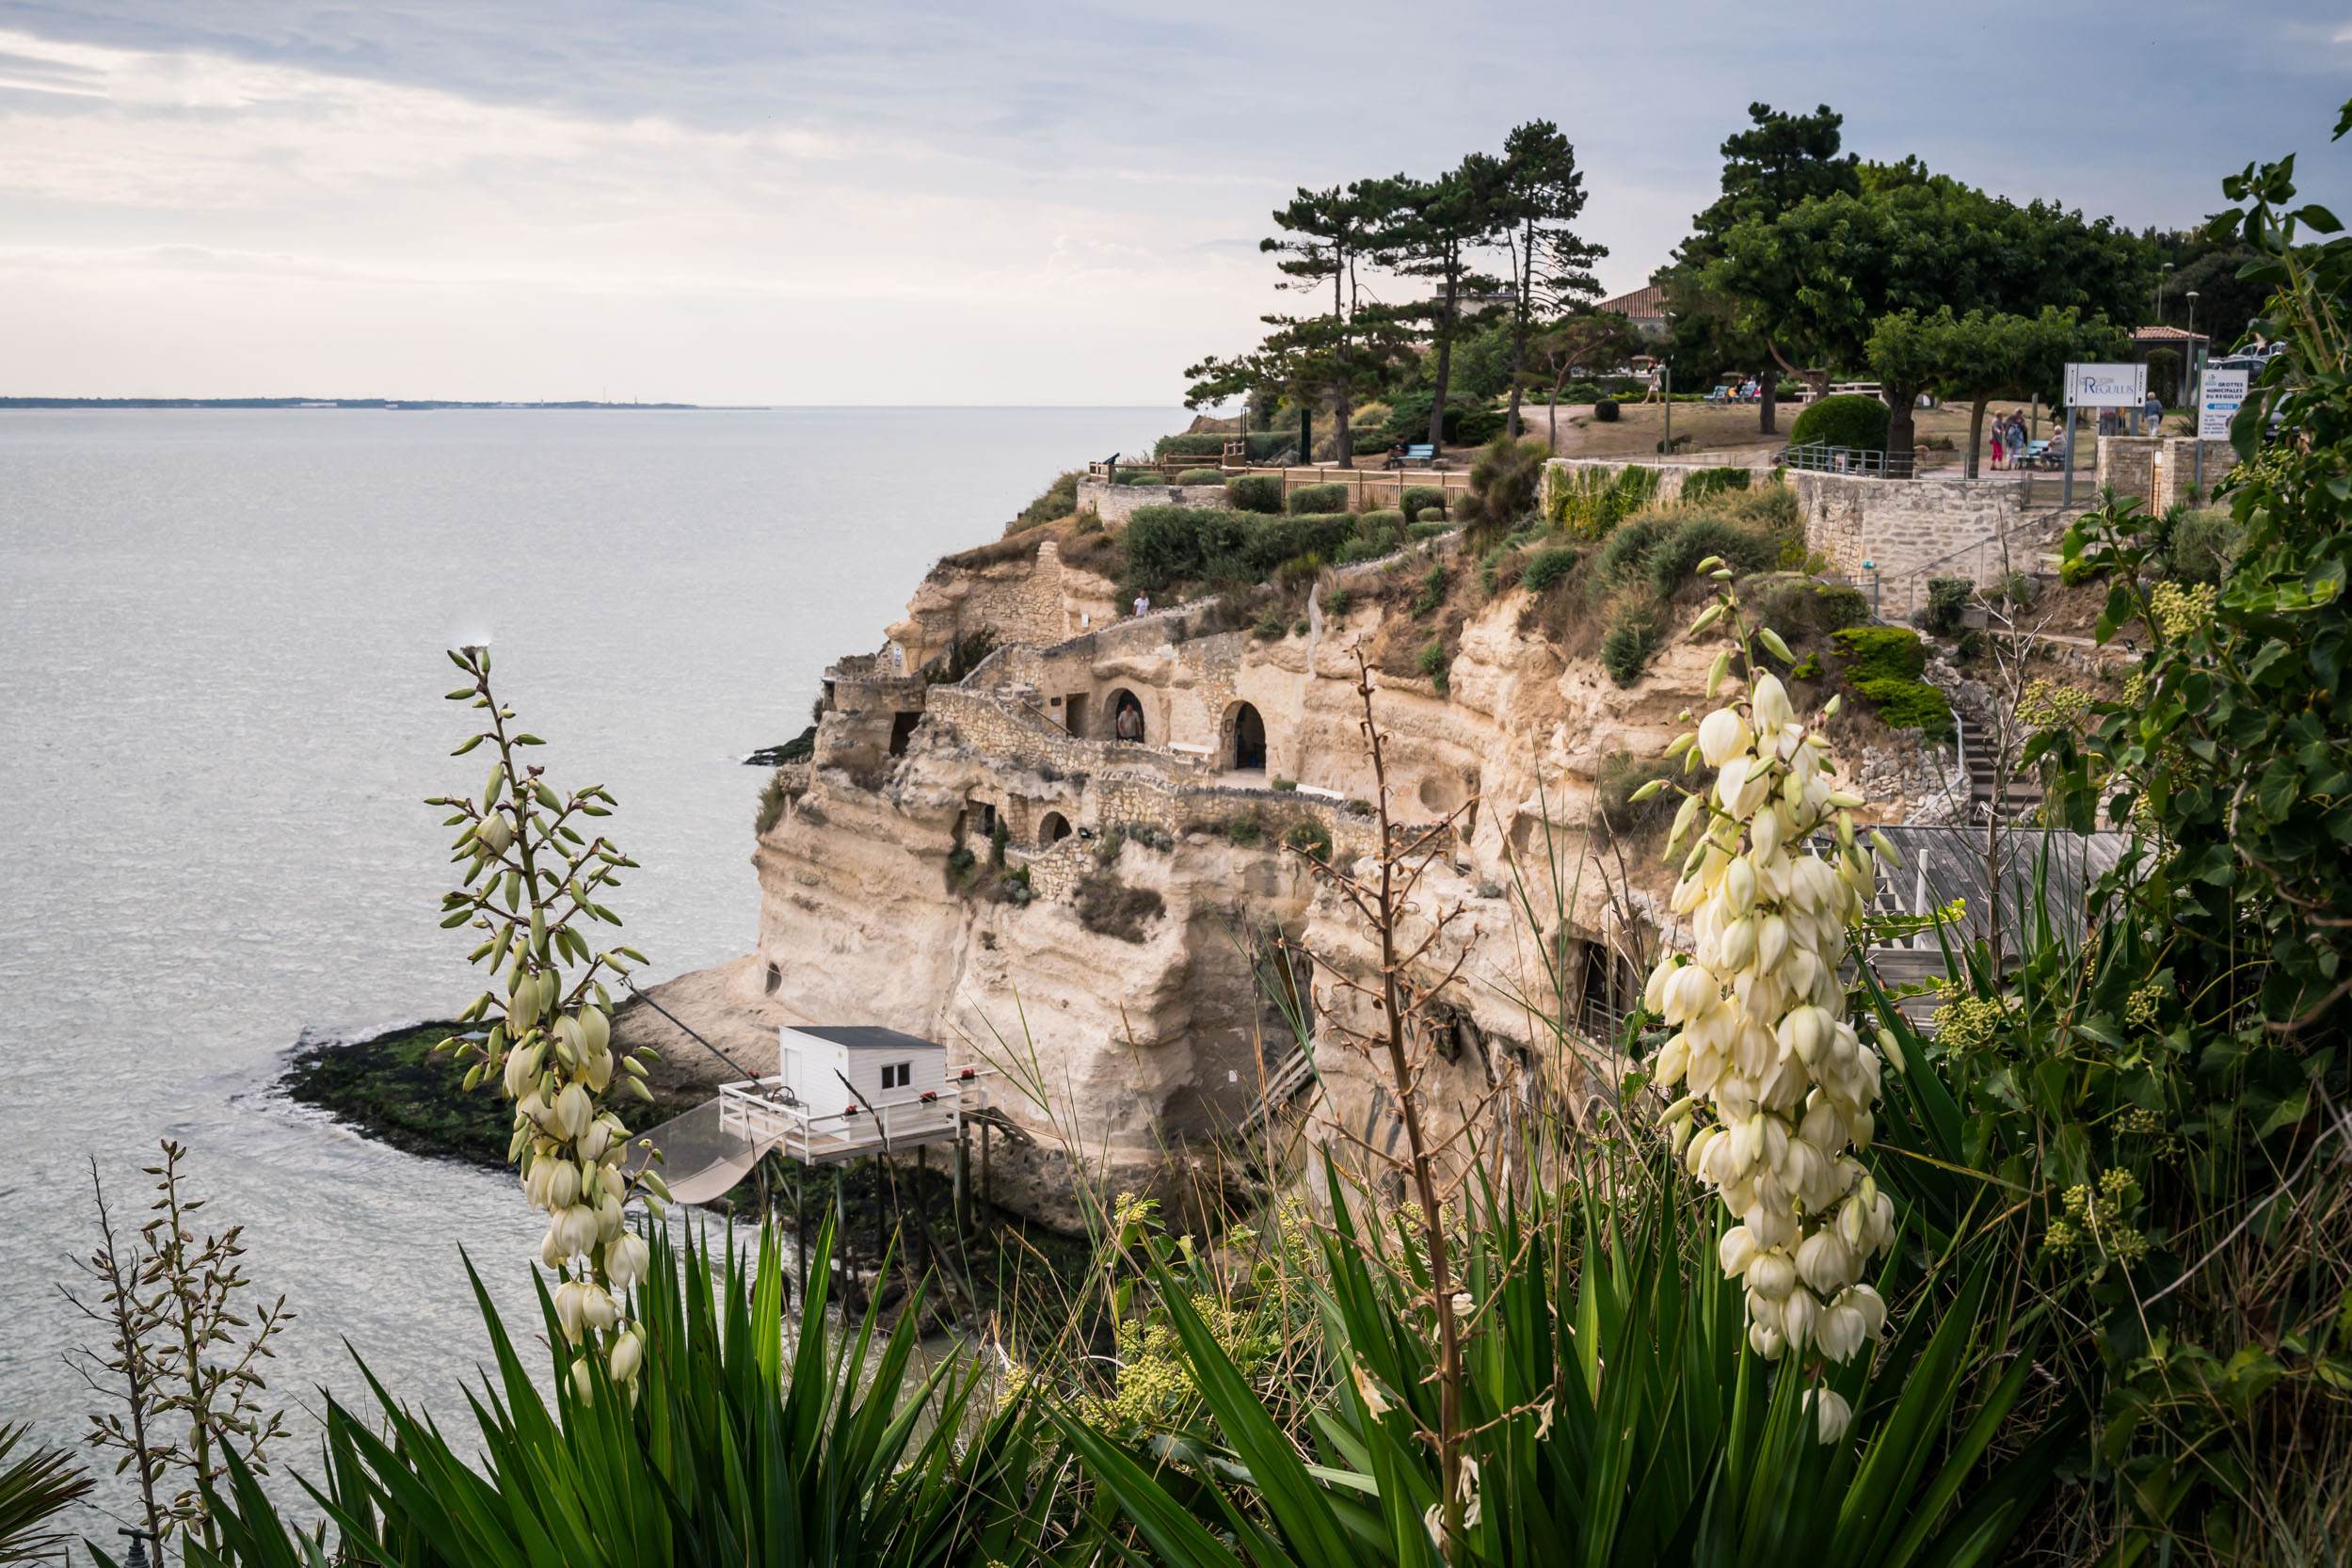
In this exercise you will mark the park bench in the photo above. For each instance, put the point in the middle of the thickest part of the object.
(1425, 456)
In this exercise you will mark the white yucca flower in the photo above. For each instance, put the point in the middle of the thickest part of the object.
(1778, 1085)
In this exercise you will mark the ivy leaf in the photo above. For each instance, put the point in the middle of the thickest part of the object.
(2286, 1112)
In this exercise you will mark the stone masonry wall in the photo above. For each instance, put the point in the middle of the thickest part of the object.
(1912, 530)
(1117, 503)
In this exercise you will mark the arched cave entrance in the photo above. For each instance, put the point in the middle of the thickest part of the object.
(1127, 716)
(1051, 831)
(1249, 738)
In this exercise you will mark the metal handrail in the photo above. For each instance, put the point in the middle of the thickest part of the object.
(1860, 462)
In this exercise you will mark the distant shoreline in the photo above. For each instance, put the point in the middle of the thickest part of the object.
(403, 403)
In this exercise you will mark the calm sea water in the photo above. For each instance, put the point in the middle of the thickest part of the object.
(220, 679)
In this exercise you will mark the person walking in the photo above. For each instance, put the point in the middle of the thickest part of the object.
(2018, 443)
(2000, 432)
(2152, 414)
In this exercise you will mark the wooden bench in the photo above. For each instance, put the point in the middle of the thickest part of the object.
(1423, 457)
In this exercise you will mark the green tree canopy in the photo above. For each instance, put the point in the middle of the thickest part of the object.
(1541, 193)
(1984, 355)
(1434, 230)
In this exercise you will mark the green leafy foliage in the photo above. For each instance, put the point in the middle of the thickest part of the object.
(1547, 567)
(1433, 664)
(1884, 664)
(1254, 492)
(1420, 498)
(1504, 479)
(1059, 500)
(1201, 476)
(1847, 419)
(1676, 558)
(1587, 503)
(1310, 838)
(1631, 638)
(1432, 594)
(1618, 1419)
(1605, 410)
(36, 1487)
(739, 1446)
(1946, 597)
(1167, 545)
(1714, 481)
(1111, 907)
(1319, 498)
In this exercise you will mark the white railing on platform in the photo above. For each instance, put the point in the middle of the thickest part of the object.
(759, 1112)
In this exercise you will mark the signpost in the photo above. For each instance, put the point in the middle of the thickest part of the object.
(2098, 387)
(2220, 394)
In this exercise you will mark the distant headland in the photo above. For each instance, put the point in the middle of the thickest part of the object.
(401, 403)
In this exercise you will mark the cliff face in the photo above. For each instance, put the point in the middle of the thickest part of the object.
(1114, 969)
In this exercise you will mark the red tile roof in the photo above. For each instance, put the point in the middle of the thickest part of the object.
(1640, 303)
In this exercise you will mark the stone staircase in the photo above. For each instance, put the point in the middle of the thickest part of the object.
(1986, 797)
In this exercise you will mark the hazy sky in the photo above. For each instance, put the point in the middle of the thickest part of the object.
(894, 201)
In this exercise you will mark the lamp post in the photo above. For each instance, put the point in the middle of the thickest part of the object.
(2167, 268)
(2192, 310)
(1872, 567)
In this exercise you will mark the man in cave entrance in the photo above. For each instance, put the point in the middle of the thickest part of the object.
(1127, 720)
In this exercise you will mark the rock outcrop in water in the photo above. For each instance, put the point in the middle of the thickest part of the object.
(1071, 864)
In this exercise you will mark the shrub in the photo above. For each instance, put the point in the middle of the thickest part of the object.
(1547, 567)
(1059, 500)
(1110, 907)
(1714, 481)
(1269, 541)
(1201, 476)
(1151, 836)
(1504, 478)
(1881, 654)
(1429, 528)
(1281, 783)
(1465, 425)
(1271, 627)
(1432, 663)
(1848, 419)
(1797, 607)
(1301, 627)
(2201, 545)
(1674, 559)
(771, 803)
(1317, 498)
(1242, 832)
(1432, 592)
(1336, 601)
(1361, 550)
(1909, 705)
(1254, 492)
(1139, 476)
(1631, 638)
(1373, 524)
(1171, 544)
(998, 837)
(1310, 838)
(1420, 498)
(1626, 553)
(1476, 426)
(1605, 410)
(1946, 597)
(1014, 886)
(1579, 392)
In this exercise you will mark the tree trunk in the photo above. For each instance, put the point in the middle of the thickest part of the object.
(1558, 381)
(1975, 434)
(1768, 405)
(1445, 366)
(1898, 431)
(1343, 403)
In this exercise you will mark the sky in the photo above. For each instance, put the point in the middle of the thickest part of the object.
(899, 201)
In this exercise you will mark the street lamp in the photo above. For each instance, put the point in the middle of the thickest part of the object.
(2167, 268)
(2192, 310)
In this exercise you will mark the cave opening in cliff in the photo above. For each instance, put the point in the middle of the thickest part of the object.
(1249, 739)
(1055, 828)
(902, 730)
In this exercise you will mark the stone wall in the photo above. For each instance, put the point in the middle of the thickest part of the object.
(1670, 475)
(1027, 599)
(1117, 503)
(1912, 530)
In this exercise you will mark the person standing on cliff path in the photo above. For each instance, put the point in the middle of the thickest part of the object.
(1142, 604)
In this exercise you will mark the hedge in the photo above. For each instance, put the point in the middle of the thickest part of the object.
(1881, 654)
(1605, 410)
(1375, 523)
(1201, 476)
(1849, 419)
(1319, 498)
(1176, 544)
(1254, 492)
(1420, 498)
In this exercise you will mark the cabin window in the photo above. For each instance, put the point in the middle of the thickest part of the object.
(898, 1075)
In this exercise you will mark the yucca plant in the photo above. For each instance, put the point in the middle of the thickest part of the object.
(34, 1490)
(739, 1446)
(1616, 1413)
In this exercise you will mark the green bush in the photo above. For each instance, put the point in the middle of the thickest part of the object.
(1605, 410)
(1242, 832)
(1674, 559)
(1622, 774)
(1714, 481)
(1465, 423)
(1848, 419)
(1336, 602)
(1374, 524)
(1310, 838)
(1139, 476)
(1214, 544)
(2201, 546)
(1201, 476)
(1946, 597)
(1631, 638)
(1505, 478)
(1272, 627)
(1361, 550)
(1881, 654)
(1547, 567)
(1580, 391)
(1254, 492)
(1262, 444)
(1909, 705)
(1625, 554)
(1059, 500)
(1112, 908)
(1317, 498)
(1433, 661)
(1429, 528)
(1420, 498)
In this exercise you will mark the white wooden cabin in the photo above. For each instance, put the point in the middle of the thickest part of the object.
(882, 1068)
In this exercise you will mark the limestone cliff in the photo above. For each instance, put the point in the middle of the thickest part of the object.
(1068, 864)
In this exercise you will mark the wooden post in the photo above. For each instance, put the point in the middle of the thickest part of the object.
(923, 1208)
(987, 1187)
